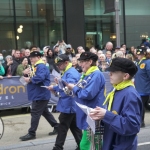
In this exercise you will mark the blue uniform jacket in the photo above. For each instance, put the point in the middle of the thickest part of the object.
(41, 78)
(123, 123)
(92, 95)
(66, 104)
(142, 78)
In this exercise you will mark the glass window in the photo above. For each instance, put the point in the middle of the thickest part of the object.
(137, 21)
(7, 38)
(42, 22)
(101, 28)
(37, 22)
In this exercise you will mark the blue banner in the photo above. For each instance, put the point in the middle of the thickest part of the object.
(13, 94)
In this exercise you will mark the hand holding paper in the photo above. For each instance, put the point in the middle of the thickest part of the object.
(98, 113)
(89, 120)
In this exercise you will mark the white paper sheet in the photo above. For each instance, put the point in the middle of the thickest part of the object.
(89, 120)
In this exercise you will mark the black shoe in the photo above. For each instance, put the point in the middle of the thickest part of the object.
(142, 125)
(54, 132)
(27, 137)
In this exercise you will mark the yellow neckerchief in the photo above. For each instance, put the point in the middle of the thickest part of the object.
(89, 71)
(141, 60)
(120, 86)
(33, 67)
(67, 68)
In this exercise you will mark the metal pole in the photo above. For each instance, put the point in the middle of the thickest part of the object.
(15, 24)
(124, 21)
(117, 23)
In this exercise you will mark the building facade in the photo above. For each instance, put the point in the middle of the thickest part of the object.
(80, 22)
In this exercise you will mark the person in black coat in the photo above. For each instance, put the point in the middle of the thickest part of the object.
(51, 60)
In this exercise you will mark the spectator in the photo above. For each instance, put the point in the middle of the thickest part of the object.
(27, 54)
(133, 52)
(51, 60)
(45, 62)
(120, 54)
(130, 56)
(147, 43)
(117, 49)
(69, 52)
(124, 51)
(45, 49)
(103, 64)
(132, 49)
(92, 49)
(80, 49)
(16, 62)
(108, 56)
(12, 52)
(22, 54)
(61, 47)
(108, 47)
(99, 53)
(33, 48)
(124, 46)
(75, 64)
(22, 66)
(2, 70)
(1, 58)
(56, 50)
(78, 55)
(8, 65)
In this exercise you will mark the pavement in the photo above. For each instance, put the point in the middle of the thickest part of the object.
(17, 125)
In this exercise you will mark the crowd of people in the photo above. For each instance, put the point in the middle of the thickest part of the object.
(124, 112)
(15, 63)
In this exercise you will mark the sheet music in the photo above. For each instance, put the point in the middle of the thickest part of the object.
(89, 120)
(60, 84)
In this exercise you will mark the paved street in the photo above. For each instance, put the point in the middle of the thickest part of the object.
(17, 124)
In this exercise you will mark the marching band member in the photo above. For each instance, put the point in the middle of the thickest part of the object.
(39, 76)
(142, 79)
(91, 95)
(124, 108)
(66, 104)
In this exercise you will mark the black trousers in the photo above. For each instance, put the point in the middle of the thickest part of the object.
(67, 121)
(40, 108)
(144, 101)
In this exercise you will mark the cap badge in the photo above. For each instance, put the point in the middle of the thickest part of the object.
(138, 53)
(142, 66)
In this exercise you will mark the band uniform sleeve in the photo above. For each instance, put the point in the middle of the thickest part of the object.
(128, 122)
(92, 89)
(40, 75)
